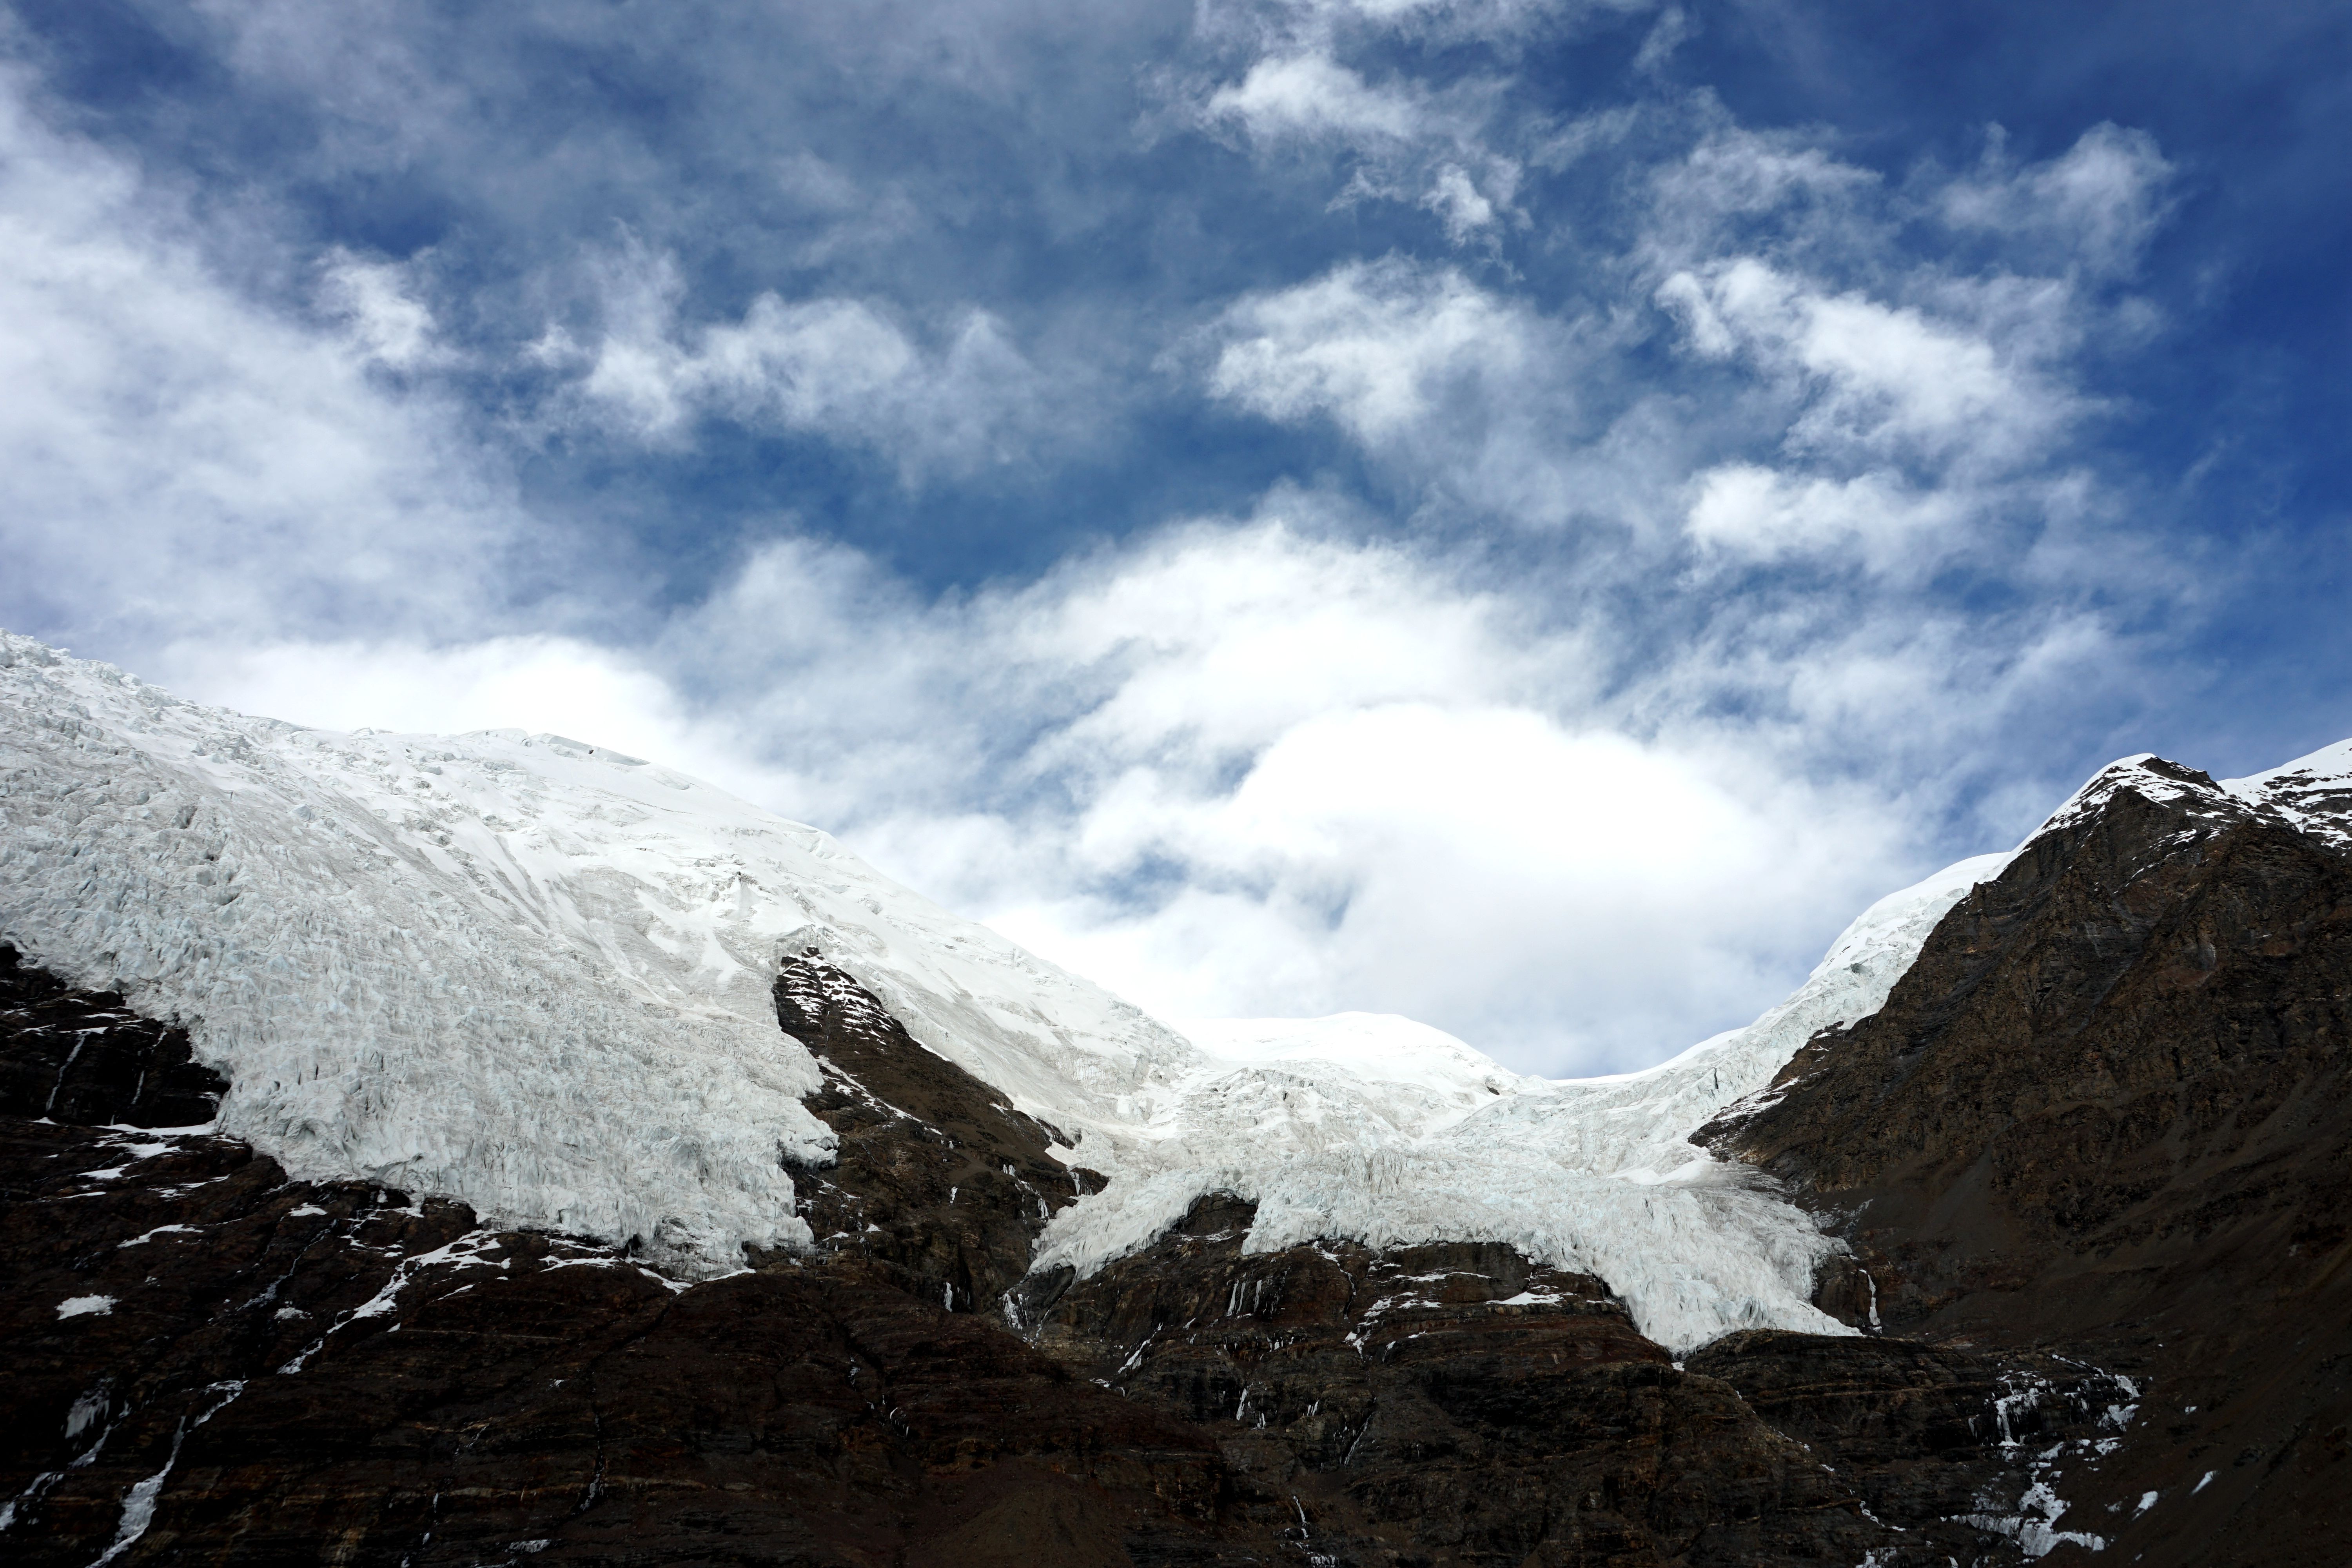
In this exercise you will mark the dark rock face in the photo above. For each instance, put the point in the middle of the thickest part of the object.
(1446, 1403)
(1944, 1443)
(2093, 1158)
(78, 1055)
(940, 1188)
(2107, 1113)
(210, 1364)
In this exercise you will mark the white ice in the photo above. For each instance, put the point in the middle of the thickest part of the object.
(520, 970)
(1390, 1133)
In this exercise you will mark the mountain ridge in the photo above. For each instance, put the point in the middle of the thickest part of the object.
(1326, 1292)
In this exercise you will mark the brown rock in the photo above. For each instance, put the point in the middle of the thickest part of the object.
(2107, 1114)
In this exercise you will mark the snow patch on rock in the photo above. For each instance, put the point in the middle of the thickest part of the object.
(2313, 793)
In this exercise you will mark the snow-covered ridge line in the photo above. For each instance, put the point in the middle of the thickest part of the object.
(2312, 794)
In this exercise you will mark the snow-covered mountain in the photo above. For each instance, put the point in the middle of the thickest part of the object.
(518, 970)
(535, 974)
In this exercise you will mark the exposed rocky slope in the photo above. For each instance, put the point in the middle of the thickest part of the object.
(2108, 1111)
(937, 1186)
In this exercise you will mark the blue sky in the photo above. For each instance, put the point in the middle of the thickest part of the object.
(1526, 515)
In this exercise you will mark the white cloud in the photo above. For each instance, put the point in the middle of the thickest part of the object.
(378, 304)
(1374, 345)
(840, 367)
(1458, 201)
(1311, 97)
(1894, 379)
(2098, 204)
(1407, 141)
(1669, 33)
(1734, 175)
(191, 459)
(1750, 513)
(1564, 895)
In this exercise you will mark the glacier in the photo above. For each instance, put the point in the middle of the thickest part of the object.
(528, 972)
(533, 975)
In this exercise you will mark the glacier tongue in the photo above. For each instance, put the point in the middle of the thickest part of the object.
(533, 975)
(1389, 1133)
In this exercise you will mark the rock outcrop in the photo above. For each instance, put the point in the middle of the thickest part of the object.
(937, 1186)
(2107, 1113)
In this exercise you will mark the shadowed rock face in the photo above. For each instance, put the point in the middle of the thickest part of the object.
(2092, 1156)
(85, 1056)
(938, 1187)
(1450, 1403)
(2107, 1112)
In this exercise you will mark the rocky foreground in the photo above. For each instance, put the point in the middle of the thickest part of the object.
(2094, 1160)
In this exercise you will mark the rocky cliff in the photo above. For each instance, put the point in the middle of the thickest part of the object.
(2107, 1112)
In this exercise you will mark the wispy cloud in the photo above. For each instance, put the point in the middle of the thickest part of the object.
(840, 367)
(178, 456)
